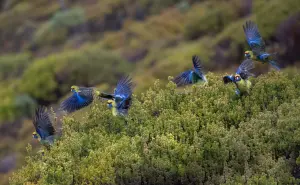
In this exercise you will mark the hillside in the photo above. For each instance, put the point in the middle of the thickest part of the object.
(203, 135)
(47, 46)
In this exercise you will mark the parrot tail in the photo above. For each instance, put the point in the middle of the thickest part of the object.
(275, 65)
(272, 60)
(106, 96)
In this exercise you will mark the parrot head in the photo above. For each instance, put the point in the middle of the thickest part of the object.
(74, 88)
(35, 135)
(237, 78)
(110, 103)
(248, 54)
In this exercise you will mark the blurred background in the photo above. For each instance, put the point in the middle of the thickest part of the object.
(47, 46)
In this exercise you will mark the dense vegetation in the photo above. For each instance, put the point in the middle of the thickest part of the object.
(204, 134)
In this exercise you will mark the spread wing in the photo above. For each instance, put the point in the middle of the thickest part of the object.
(198, 67)
(78, 100)
(244, 69)
(42, 123)
(184, 78)
(254, 38)
(124, 87)
(123, 93)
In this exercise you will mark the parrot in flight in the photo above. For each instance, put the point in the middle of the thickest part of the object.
(44, 130)
(240, 79)
(121, 100)
(257, 45)
(81, 97)
(191, 76)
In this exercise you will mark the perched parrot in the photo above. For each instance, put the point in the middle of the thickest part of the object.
(81, 97)
(257, 45)
(45, 131)
(120, 101)
(240, 79)
(191, 76)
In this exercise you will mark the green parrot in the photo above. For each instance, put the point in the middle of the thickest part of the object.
(44, 130)
(240, 79)
(257, 45)
(81, 97)
(193, 76)
(120, 101)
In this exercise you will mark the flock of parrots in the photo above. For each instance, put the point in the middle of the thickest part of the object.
(120, 101)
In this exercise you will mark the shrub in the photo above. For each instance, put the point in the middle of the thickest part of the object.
(13, 65)
(203, 135)
(210, 18)
(49, 78)
(56, 29)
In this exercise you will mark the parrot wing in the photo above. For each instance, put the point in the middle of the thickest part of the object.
(42, 123)
(77, 101)
(254, 38)
(184, 78)
(244, 69)
(124, 87)
(198, 67)
(123, 93)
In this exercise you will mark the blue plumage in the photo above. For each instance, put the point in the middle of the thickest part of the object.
(244, 68)
(121, 100)
(42, 123)
(124, 88)
(257, 45)
(254, 38)
(240, 79)
(191, 76)
(79, 99)
(123, 93)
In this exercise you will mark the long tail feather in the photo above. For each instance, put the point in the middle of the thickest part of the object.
(106, 96)
(274, 64)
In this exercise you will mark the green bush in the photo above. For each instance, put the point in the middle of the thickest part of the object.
(51, 77)
(203, 135)
(210, 18)
(56, 29)
(13, 65)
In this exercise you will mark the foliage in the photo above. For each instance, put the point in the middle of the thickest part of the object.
(12, 66)
(210, 17)
(57, 27)
(50, 77)
(204, 135)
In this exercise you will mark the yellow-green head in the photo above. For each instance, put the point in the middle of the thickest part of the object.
(110, 103)
(74, 88)
(35, 135)
(249, 54)
(237, 78)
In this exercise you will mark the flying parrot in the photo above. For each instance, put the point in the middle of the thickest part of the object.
(44, 130)
(257, 45)
(81, 97)
(120, 101)
(191, 76)
(240, 79)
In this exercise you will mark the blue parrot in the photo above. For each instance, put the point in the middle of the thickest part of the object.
(45, 131)
(191, 76)
(240, 79)
(257, 45)
(121, 100)
(81, 97)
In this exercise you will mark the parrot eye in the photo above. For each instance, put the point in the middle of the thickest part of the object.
(237, 78)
